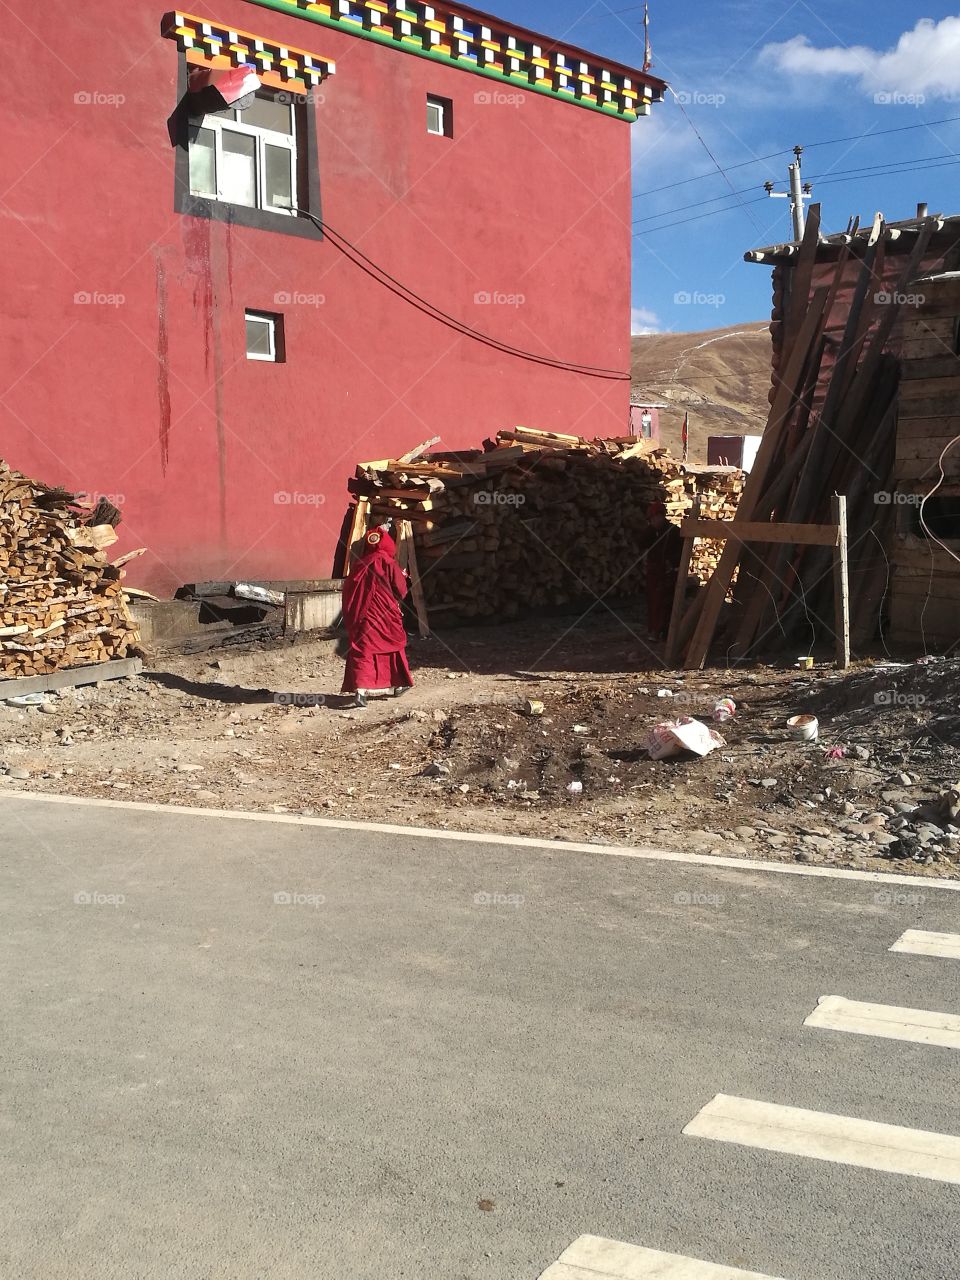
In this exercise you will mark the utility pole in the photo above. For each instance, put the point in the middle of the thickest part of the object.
(799, 191)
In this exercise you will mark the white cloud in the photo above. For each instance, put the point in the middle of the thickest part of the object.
(643, 321)
(925, 62)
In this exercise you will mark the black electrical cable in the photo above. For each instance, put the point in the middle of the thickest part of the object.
(894, 167)
(831, 142)
(383, 277)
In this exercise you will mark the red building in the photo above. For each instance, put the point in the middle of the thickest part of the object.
(214, 305)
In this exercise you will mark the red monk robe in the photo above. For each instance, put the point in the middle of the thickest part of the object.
(377, 656)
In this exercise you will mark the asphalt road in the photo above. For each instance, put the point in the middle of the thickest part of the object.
(441, 1059)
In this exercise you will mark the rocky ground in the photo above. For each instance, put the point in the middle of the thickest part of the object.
(263, 729)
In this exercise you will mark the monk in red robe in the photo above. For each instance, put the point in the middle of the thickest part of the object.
(377, 656)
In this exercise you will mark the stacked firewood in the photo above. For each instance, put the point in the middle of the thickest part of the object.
(536, 519)
(61, 602)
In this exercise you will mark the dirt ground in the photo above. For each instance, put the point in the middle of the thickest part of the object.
(264, 729)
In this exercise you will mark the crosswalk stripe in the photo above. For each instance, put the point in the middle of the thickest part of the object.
(593, 1258)
(921, 1026)
(919, 942)
(917, 1153)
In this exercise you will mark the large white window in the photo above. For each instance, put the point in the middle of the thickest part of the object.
(247, 157)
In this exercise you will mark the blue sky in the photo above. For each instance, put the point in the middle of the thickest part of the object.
(758, 77)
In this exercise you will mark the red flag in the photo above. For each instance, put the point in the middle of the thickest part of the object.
(685, 436)
(647, 47)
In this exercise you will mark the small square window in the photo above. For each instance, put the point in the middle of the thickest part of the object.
(440, 116)
(264, 336)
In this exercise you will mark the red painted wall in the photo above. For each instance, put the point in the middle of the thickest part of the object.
(149, 396)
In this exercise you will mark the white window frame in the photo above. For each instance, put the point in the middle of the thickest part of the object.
(271, 322)
(264, 138)
(440, 107)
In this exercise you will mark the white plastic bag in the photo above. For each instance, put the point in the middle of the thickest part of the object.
(673, 737)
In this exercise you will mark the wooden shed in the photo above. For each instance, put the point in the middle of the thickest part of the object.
(925, 589)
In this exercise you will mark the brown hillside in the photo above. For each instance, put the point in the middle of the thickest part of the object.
(722, 376)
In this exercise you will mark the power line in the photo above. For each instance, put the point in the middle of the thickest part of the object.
(825, 181)
(831, 142)
(905, 166)
(716, 162)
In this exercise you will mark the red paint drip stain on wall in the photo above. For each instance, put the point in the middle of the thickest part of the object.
(163, 366)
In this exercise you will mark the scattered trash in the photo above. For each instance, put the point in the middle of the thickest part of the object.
(673, 737)
(837, 753)
(805, 663)
(806, 728)
(725, 709)
(575, 788)
(665, 693)
(533, 708)
(581, 728)
(26, 700)
(436, 770)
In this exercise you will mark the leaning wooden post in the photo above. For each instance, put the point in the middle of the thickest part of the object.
(679, 595)
(841, 583)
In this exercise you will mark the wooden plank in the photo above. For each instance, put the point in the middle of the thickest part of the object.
(924, 328)
(841, 584)
(939, 365)
(931, 389)
(918, 470)
(925, 348)
(367, 489)
(382, 511)
(804, 535)
(930, 447)
(416, 585)
(414, 454)
(118, 669)
(937, 620)
(358, 527)
(713, 596)
(679, 595)
(933, 424)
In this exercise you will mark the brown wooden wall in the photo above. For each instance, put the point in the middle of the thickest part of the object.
(925, 596)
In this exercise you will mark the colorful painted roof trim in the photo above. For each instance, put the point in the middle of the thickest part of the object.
(462, 38)
(209, 44)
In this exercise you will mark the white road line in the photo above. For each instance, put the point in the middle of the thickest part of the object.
(919, 942)
(505, 840)
(917, 1153)
(593, 1258)
(922, 1026)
